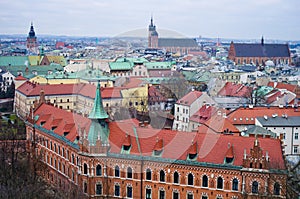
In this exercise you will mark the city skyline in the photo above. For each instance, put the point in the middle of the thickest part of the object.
(273, 19)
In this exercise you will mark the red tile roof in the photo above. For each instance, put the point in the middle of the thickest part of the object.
(211, 147)
(133, 83)
(193, 149)
(20, 78)
(189, 98)
(127, 141)
(159, 145)
(235, 90)
(154, 95)
(272, 97)
(229, 153)
(221, 124)
(88, 90)
(64, 120)
(280, 85)
(203, 114)
(246, 116)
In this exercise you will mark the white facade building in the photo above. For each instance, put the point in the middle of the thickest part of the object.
(286, 127)
(187, 106)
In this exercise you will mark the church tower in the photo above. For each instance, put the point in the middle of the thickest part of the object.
(152, 35)
(31, 42)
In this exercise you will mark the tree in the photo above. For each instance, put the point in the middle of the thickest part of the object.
(175, 87)
(10, 92)
(21, 171)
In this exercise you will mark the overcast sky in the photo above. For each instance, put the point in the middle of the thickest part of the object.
(240, 19)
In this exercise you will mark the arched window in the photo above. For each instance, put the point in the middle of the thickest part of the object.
(255, 187)
(85, 168)
(162, 176)
(220, 183)
(129, 172)
(176, 177)
(204, 181)
(276, 188)
(235, 184)
(98, 170)
(190, 179)
(117, 171)
(148, 174)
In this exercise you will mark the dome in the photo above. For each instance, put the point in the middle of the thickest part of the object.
(270, 63)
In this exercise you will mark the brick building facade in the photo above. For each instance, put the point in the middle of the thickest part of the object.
(259, 53)
(117, 159)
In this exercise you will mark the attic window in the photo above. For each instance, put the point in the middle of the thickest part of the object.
(228, 160)
(192, 152)
(126, 144)
(66, 133)
(43, 122)
(157, 153)
(192, 156)
(229, 155)
(53, 128)
(158, 148)
(126, 148)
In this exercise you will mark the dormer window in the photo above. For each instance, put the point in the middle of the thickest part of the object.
(229, 155)
(126, 144)
(66, 133)
(158, 148)
(42, 123)
(192, 152)
(53, 128)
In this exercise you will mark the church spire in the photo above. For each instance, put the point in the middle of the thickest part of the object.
(98, 111)
(31, 32)
(151, 24)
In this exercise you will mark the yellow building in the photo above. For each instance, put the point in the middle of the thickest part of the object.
(136, 97)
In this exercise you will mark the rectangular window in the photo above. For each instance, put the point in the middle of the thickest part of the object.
(175, 195)
(99, 189)
(117, 190)
(190, 196)
(296, 136)
(296, 149)
(129, 192)
(148, 194)
(161, 194)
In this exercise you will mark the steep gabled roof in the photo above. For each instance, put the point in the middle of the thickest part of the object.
(235, 90)
(280, 85)
(259, 50)
(189, 98)
(63, 120)
(203, 114)
(221, 124)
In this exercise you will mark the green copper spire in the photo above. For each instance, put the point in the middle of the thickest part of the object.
(98, 111)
